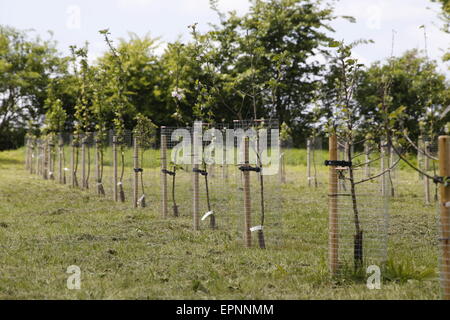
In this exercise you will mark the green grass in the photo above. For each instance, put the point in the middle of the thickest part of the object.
(135, 254)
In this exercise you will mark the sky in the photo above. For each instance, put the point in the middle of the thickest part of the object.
(77, 21)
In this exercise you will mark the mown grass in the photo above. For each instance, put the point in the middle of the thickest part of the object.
(135, 254)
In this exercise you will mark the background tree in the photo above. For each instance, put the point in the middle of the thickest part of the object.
(26, 67)
(415, 85)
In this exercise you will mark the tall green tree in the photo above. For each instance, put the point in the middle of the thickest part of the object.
(416, 87)
(136, 79)
(262, 63)
(26, 68)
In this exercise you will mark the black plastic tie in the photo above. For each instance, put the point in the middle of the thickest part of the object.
(338, 163)
(247, 168)
(202, 172)
(170, 173)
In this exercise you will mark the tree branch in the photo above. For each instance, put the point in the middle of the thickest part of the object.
(380, 174)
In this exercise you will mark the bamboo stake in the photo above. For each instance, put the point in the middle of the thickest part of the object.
(444, 171)
(247, 198)
(115, 179)
(136, 172)
(164, 175)
(333, 230)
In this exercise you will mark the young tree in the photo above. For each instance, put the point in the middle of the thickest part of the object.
(84, 126)
(119, 99)
(346, 122)
(102, 116)
(145, 132)
(55, 121)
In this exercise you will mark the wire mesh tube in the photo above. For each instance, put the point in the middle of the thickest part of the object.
(247, 198)
(164, 175)
(357, 212)
(332, 204)
(444, 171)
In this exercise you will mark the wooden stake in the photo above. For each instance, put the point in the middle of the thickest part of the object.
(391, 161)
(136, 173)
(196, 197)
(426, 181)
(83, 163)
(224, 165)
(164, 175)
(333, 231)
(196, 191)
(37, 150)
(31, 157)
(367, 160)
(420, 156)
(444, 171)
(97, 165)
(72, 165)
(247, 198)
(26, 154)
(115, 178)
(282, 169)
(51, 165)
(382, 165)
(41, 159)
(45, 160)
(60, 160)
(308, 161)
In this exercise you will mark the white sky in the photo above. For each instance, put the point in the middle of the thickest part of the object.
(75, 21)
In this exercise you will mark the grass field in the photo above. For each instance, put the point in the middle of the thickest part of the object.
(135, 254)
